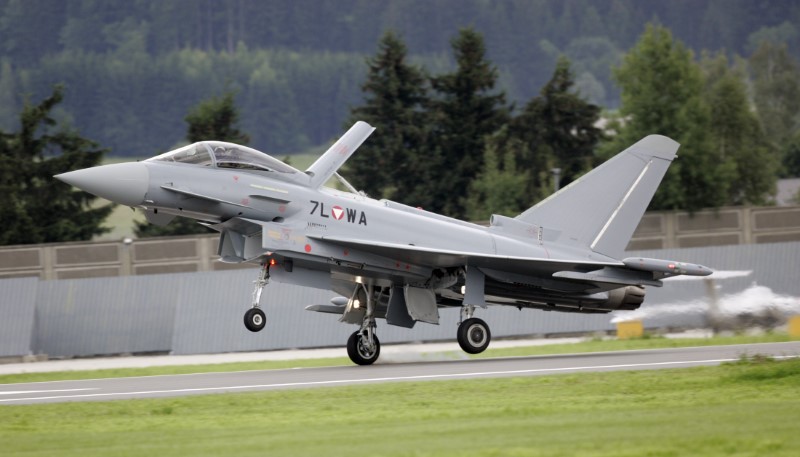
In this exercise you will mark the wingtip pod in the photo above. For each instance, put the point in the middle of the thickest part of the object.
(666, 266)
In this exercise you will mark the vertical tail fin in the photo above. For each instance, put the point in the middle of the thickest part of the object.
(602, 208)
(327, 164)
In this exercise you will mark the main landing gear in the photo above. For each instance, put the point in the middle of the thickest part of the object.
(254, 318)
(473, 333)
(361, 350)
(363, 346)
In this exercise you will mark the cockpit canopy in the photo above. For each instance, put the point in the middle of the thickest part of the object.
(224, 155)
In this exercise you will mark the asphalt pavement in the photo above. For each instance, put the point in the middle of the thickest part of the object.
(391, 353)
(264, 380)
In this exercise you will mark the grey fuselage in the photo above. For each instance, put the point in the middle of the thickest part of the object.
(295, 220)
(561, 254)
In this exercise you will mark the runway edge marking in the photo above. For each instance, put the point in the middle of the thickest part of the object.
(382, 379)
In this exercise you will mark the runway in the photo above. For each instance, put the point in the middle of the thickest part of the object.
(248, 381)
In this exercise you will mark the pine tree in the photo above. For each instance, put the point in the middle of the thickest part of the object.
(559, 124)
(737, 135)
(393, 163)
(215, 119)
(776, 87)
(36, 208)
(500, 187)
(661, 94)
(212, 119)
(467, 110)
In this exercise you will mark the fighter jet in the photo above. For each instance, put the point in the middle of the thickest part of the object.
(395, 262)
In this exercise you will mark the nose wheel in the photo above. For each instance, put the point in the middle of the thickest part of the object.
(474, 336)
(255, 319)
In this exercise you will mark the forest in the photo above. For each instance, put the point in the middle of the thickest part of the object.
(489, 123)
(132, 69)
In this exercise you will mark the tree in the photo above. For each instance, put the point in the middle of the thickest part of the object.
(393, 160)
(212, 119)
(661, 94)
(467, 110)
(9, 108)
(776, 87)
(737, 135)
(791, 157)
(500, 187)
(36, 208)
(215, 119)
(559, 123)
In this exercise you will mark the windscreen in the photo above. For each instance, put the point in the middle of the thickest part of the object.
(196, 154)
(224, 155)
(229, 155)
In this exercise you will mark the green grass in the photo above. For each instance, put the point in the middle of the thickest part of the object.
(749, 408)
(648, 342)
(587, 346)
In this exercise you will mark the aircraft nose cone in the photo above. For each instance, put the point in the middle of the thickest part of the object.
(124, 183)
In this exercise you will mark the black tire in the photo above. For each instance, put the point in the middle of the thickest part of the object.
(358, 352)
(474, 336)
(255, 319)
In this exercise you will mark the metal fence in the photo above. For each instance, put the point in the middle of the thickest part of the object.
(656, 230)
(17, 306)
(201, 312)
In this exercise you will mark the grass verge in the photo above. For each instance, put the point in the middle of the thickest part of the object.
(744, 408)
(648, 342)
(570, 348)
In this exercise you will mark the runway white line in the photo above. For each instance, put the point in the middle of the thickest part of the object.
(21, 392)
(384, 379)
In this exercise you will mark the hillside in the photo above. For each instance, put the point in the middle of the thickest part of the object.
(132, 69)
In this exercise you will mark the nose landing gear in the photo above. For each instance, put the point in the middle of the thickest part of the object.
(254, 318)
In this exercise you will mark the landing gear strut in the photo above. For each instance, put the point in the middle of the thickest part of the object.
(363, 346)
(473, 334)
(254, 318)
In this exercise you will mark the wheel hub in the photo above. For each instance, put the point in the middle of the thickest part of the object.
(476, 335)
(364, 348)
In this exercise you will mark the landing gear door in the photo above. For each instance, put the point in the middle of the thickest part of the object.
(421, 304)
(397, 313)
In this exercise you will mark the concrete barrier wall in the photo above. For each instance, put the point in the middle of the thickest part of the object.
(725, 226)
(186, 313)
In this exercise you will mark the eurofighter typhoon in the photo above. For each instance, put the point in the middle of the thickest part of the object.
(399, 263)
